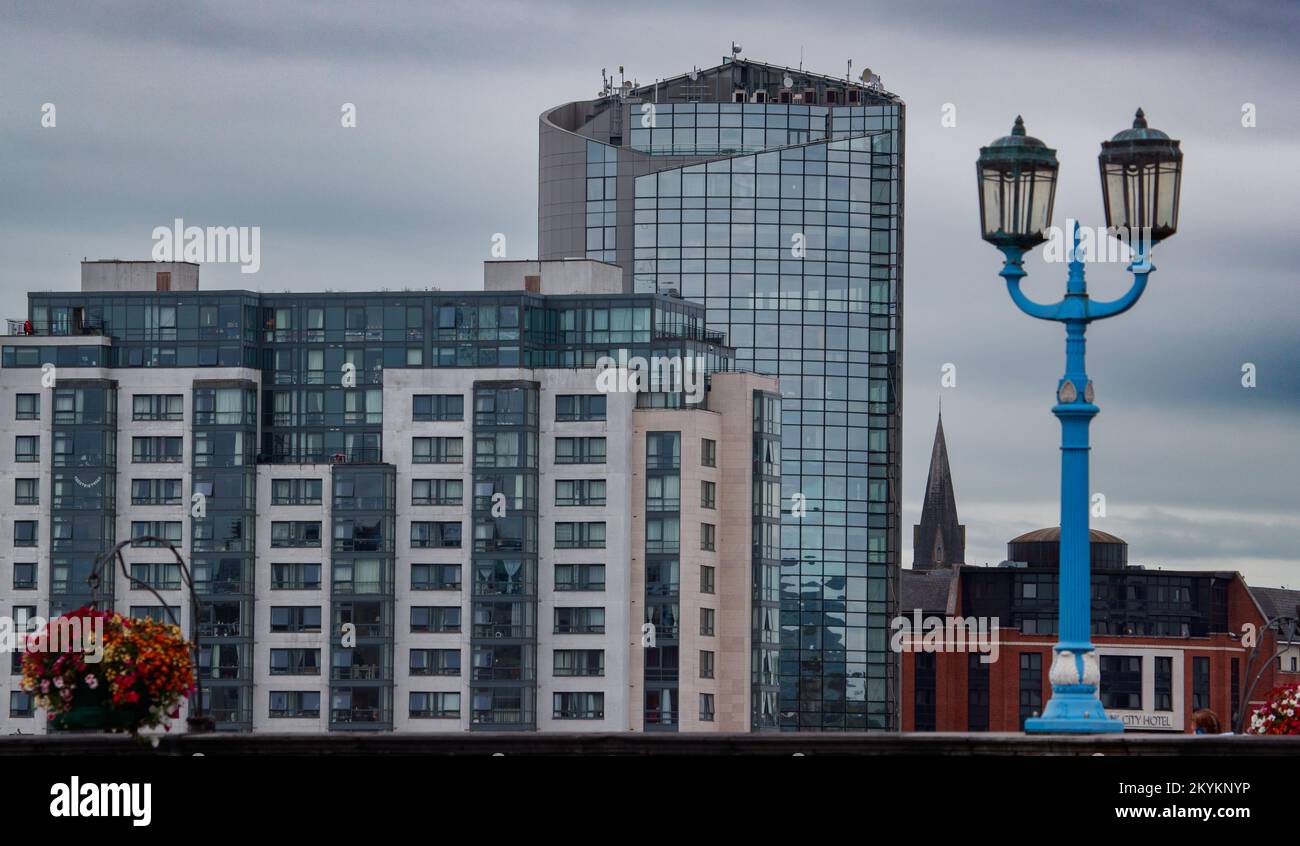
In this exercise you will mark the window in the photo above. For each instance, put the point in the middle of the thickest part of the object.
(163, 532)
(663, 534)
(570, 577)
(708, 495)
(25, 532)
(156, 450)
(579, 662)
(295, 662)
(709, 452)
(707, 536)
(438, 407)
(1031, 686)
(435, 577)
(27, 407)
(435, 705)
(579, 706)
(156, 576)
(295, 618)
(706, 579)
(24, 619)
(435, 535)
(295, 576)
(439, 619)
(435, 662)
(579, 450)
(437, 492)
(437, 450)
(158, 407)
(573, 407)
(1121, 682)
(295, 704)
(706, 664)
(707, 617)
(663, 492)
(21, 704)
(662, 577)
(1200, 682)
(159, 491)
(296, 491)
(977, 693)
(24, 576)
(1164, 683)
(27, 448)
(295, 533)
(26, 492)
(579, 621)
(157, 613)
(589, 492)
(580, 535)
(663, 450)
(706, 707)
(365, 535)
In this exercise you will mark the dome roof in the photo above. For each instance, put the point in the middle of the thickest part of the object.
(1052, 534)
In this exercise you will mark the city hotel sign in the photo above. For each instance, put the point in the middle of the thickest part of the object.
(1148, 720)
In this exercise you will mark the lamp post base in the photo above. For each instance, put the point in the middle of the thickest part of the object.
(1074, 707)
(1074, 713)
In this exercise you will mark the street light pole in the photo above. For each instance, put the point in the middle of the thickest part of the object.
(1141, 170)
(1075, 674)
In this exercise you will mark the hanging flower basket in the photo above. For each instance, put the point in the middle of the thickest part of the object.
(100, 671)
(1280, 713)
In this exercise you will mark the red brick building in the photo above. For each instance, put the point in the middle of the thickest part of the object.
(1169, 642)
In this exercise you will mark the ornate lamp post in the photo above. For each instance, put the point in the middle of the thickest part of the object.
(1141, 170)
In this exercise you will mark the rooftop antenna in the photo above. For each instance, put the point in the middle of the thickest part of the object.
(800, 58)
(871, 80)
(848, 72)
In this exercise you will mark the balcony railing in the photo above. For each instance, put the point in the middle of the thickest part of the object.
(361, 715)
(361, 672)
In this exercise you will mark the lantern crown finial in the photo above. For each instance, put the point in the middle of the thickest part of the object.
(1019, 128)
(1140, 131)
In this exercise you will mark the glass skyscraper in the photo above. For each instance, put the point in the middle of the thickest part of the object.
(773, 197)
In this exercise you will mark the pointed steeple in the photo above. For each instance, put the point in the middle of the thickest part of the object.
(938, 540)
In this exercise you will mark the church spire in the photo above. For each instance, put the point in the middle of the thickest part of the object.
(938, 540)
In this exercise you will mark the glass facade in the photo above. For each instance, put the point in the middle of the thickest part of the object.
(663, 483)
(83, 482)
(503, 641)
(790, 235)
(223, 544)
(363, 563)
(322, 357)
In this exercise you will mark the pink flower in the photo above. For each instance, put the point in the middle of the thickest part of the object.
(45, 685)
(92, 682)
(58, 681)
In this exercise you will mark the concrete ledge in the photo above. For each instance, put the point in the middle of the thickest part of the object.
(648, 744)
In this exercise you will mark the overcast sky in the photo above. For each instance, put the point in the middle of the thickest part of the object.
(228, 114)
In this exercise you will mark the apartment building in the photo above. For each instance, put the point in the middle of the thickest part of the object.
(403, 510)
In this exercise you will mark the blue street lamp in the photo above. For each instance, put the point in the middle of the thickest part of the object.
(1141, 169)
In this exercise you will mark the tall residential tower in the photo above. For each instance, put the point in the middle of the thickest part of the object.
(773, 197)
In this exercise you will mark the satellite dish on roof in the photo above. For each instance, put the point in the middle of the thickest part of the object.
(695, 74)
(787, 82)
(735, 49)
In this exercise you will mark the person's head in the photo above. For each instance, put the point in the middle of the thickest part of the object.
(1205, 721)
